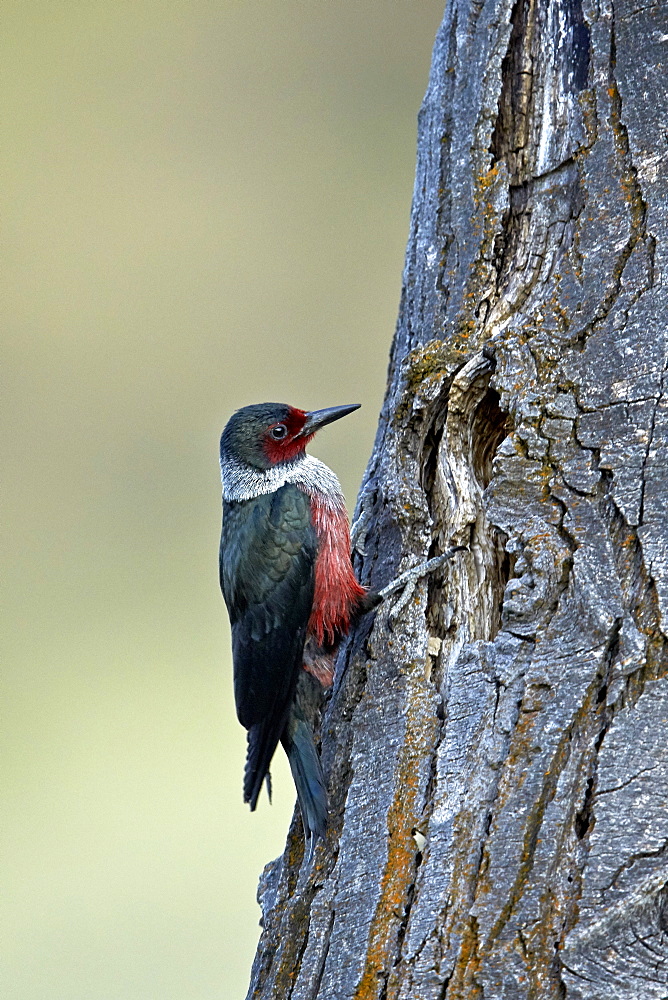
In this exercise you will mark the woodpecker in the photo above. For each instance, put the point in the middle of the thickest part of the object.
(289, 586)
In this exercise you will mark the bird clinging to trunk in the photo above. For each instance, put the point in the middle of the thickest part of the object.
(289, 586)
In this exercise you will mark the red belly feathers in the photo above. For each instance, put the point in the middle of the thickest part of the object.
(337, 591)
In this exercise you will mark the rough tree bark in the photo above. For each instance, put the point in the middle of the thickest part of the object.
(497, 749)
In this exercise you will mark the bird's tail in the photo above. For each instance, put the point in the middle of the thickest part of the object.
(262, 741)
(297, 740)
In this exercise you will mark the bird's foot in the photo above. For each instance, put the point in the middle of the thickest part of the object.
(408, 580)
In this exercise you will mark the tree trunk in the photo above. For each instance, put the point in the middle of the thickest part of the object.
(497, 747)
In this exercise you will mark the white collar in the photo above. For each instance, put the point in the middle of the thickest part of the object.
(244, 482)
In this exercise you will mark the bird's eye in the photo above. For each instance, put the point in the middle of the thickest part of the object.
(278, 432)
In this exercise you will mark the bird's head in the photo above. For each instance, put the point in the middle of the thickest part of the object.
(268, 434)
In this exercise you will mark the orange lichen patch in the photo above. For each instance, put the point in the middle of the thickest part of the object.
(587, 102)
(463, 983)
(522, 749)
(629, 178)
(487, 179)
(289, 920)
(295, 921)
(485, 225)
(398, 875)
(428, 365)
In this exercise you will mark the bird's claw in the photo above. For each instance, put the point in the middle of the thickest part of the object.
(408, 579)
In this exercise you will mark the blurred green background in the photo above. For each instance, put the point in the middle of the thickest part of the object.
(205, 205)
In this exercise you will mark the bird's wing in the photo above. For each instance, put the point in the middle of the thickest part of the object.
(267, 563)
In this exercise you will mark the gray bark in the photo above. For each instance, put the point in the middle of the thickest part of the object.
(497, 748)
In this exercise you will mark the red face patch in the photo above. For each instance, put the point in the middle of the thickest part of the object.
(281, 440)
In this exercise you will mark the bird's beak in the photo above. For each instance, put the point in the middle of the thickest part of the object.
(318, 418)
